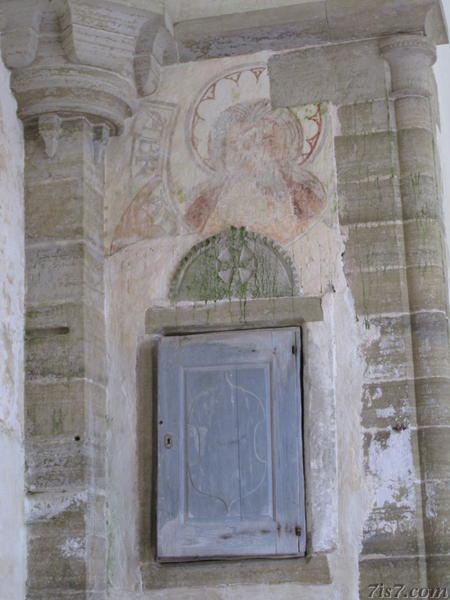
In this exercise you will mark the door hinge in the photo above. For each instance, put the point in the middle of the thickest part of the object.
(294, 350)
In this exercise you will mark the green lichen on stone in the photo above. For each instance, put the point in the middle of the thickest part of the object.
(236, 264)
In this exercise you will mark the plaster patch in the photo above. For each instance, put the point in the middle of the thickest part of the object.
(73, 548)
(41, 507)
(390, 460)
(384, 412)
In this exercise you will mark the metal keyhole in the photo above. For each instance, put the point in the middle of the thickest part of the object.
(168, 441)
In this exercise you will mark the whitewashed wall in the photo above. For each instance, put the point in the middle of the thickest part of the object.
(12, 533)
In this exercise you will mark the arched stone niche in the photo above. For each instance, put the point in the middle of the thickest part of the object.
(238, 264)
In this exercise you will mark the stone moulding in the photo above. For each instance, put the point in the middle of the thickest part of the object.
(237, 264)
(258, 312)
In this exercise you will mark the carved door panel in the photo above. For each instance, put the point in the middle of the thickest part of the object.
(230, 473)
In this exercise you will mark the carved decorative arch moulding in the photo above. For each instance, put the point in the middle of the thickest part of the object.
(238, 264)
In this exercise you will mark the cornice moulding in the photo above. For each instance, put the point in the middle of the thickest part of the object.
(304, 24)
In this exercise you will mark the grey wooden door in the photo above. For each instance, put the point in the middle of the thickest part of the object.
(230, 469)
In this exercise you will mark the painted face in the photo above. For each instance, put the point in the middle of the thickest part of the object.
(252, 148)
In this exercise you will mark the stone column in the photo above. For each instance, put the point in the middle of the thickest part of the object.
(410, 58)
(77, 67)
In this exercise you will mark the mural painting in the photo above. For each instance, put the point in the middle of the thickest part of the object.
(236, 162)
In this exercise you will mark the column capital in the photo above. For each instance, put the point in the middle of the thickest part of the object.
(410, 58)
(83, 57)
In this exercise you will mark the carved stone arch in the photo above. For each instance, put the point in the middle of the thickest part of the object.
(236, 263)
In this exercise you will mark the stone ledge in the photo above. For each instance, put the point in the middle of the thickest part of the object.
(245, 314)
(313, 570)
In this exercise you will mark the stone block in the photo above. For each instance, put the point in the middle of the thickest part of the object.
(45, 594)
(363, 118)
(59, 562)
(427, 288)
(360, 157)
(63, 209)
(392, 530)
(431, 344)
(439, 573)
(389, 354)
(55, 409)
(414, 112)
(437, 513)
(62, 465)
(363, 18)
(435, 453)
(54, 210)
(251, 31)
(54, 341)
(67, 272)
(416, 151)
(65, 340)
(420, 197)
(56, 513)
(369, 201)
(375, 247)
(425, 243)
(390, 571)
(377, 292)
(59, 465)
(433, 401)
(342, 74)
(64, 409)
(388, 404)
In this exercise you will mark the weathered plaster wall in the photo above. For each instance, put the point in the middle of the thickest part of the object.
(167, 189)
(12, 530)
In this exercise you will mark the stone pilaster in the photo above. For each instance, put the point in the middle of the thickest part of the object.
(78, 68)
(65, 367)
(410, 58)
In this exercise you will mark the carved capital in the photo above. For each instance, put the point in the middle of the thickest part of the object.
(410, 58)
(82, 57)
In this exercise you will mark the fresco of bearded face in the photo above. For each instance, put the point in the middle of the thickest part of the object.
(254, 151)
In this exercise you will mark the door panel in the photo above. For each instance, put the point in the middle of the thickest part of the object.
(230, 473)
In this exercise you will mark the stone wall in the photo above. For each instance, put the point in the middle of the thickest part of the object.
(12, 528)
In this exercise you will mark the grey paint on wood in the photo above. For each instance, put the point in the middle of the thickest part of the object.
(230, 469)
